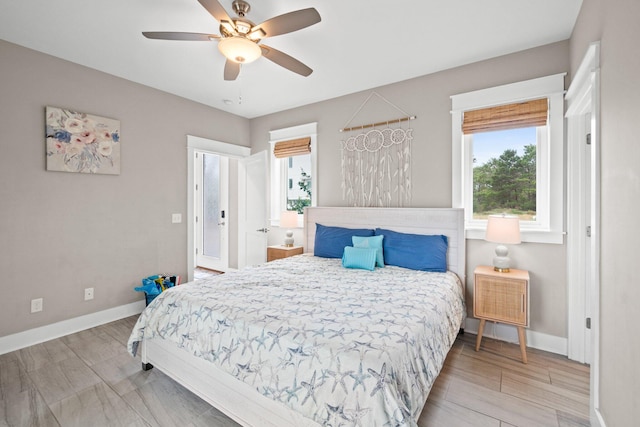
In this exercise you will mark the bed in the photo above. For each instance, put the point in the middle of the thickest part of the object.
(304, 341)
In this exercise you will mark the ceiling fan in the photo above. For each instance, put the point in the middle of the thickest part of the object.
(239, 39)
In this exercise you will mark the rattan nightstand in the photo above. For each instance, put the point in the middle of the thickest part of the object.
(504, 298)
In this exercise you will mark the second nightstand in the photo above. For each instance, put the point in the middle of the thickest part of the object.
(504, 298)
(279, 251)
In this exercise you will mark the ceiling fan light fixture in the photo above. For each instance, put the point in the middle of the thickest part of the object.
(239, 49)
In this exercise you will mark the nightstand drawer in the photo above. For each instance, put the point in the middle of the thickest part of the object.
(501, 300)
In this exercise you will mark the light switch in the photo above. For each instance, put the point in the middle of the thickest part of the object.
(176, 218)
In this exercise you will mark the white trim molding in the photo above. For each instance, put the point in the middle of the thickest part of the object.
(509, 333)
(583, 253)
(41, 334)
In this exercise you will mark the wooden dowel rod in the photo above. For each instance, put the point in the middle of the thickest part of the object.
(404, 119)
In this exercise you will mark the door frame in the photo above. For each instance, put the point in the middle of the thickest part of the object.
(583, 276)
(196, 143)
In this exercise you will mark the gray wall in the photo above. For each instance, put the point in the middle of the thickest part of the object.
(62, 232)
(428, 97)
(615, 23)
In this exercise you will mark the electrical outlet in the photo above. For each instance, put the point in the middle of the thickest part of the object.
(176, 218)
(88, 294)
(36, 305)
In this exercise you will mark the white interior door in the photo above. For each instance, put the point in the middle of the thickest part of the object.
(253, 192)
(212, 207)
(579, 240)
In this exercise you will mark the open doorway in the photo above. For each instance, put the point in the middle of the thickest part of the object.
(226, 153)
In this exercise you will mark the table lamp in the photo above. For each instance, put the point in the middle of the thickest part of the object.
(288, 220)
(502, 229)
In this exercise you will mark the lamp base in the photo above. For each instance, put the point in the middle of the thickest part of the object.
(501, 262)
(288, 241)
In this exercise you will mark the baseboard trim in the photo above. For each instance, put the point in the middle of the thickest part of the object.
(509, 333)
(41, 334)
(599, 420)
(34, 336)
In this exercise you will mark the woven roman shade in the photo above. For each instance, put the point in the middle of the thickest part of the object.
(293, 147)
(509, 116)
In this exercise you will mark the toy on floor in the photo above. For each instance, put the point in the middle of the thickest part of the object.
(153, 286)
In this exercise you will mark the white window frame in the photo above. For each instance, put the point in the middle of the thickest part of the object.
(548, 227)
(279, 167)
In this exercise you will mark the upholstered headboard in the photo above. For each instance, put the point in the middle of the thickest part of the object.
(449, 222)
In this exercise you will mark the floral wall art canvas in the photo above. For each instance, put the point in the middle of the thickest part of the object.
(79, 142)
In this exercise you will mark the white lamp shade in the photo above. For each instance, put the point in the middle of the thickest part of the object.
(239, 49)
(288, 219)
(503, 229)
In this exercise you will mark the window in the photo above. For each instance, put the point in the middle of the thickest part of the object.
(300, 179)
(508, 156)
(503, 142)
(293, 170)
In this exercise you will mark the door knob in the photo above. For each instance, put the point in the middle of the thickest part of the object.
(263, 230)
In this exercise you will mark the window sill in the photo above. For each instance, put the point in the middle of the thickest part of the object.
(527, 236)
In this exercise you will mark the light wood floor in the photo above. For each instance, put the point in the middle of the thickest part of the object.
(88, 379)
(493, 387)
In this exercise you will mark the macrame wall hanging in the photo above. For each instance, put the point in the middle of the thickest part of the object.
(376, 164)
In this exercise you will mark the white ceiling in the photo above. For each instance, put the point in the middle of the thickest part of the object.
(358, 45)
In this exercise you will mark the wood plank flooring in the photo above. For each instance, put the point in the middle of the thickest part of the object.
(88, 379)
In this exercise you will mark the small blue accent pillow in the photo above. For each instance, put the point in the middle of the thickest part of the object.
(415, 251)
(374, 242)
(330, 241)
(363, 258)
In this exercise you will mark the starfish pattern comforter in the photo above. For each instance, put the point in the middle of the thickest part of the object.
(343, 347)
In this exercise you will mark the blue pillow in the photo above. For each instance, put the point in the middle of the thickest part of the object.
(330, 241)
(374, 242)
(415, 251)
(363, 258)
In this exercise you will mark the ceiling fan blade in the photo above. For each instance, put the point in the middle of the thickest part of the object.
(286, 61)
(167, 35)
(216, 10)
(231, 70)
(292, 21)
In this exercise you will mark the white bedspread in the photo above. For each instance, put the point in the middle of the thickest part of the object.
(340, 346)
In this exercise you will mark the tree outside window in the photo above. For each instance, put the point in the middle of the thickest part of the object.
(504, 173)
(299, 196)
